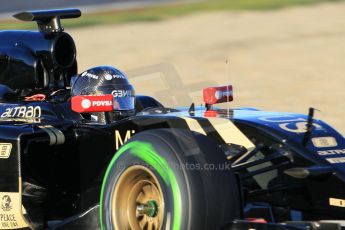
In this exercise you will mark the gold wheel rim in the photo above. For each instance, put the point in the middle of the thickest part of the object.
(137, 202)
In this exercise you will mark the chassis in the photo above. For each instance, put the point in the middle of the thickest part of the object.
(186, 168)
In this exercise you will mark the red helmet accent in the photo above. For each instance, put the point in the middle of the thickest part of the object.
(88, 104)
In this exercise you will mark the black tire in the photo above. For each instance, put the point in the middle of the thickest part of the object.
(205, 199)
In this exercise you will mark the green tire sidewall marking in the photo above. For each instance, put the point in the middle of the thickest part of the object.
(147, 153)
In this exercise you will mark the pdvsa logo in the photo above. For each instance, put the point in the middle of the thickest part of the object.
(102, 103)
(90, 75)
(86, 103)
(113, 76)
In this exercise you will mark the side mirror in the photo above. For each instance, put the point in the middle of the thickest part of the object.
(215, 95)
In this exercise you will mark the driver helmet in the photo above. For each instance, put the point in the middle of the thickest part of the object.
(103, 80)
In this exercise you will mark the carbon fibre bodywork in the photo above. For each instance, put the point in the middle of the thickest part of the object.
(61, 160)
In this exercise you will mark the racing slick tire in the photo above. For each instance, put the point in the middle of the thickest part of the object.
(169, 179)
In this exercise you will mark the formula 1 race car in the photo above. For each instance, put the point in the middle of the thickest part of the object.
(156, 167)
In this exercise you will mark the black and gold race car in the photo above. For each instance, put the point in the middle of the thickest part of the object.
(196, 167)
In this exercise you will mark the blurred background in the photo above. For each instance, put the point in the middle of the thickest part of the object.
(280, 55)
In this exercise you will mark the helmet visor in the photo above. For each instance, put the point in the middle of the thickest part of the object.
(124, 95)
